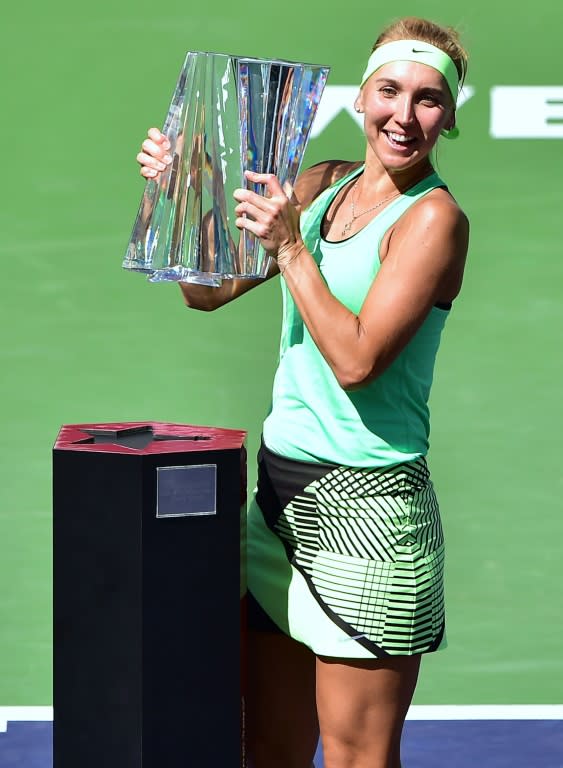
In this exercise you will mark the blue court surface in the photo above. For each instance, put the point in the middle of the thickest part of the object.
(435, 737)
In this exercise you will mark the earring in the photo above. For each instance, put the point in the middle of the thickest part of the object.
(451, 133)
(357, 109)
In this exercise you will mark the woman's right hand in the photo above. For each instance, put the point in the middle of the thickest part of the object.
(154, 156)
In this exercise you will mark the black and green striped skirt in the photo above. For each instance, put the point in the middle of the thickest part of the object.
(348, 561)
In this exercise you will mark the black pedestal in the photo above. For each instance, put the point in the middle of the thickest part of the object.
(147, 536)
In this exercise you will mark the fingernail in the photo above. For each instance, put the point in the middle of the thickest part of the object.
(166, 144)
(167, 159)
(161, 166)
(150, 172)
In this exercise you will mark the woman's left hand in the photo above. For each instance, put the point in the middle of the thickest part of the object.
(273, 218)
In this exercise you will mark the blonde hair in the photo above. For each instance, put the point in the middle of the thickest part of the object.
(414, 28)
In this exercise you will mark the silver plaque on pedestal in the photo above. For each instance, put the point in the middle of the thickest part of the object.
(228, 114)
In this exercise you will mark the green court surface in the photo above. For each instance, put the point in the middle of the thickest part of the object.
(84, 341)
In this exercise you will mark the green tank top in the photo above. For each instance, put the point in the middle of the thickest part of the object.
(311, 417)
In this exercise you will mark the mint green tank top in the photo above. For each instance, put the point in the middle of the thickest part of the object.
(311, 417)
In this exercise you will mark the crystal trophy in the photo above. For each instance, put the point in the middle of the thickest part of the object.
(228, 114)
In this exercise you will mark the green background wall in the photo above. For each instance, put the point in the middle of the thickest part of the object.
(84, 341)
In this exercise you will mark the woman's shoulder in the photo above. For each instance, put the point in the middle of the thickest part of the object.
(314, 180)
(436, 222)
(438, 207)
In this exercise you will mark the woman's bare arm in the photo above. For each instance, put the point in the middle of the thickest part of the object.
(423, 266)
(208, 298)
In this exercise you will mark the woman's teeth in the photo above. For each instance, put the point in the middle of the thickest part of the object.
(399, 137)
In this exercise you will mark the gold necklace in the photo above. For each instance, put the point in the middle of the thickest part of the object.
(348, 225)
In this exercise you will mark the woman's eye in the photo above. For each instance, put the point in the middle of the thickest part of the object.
(388, 91)
(430, 101)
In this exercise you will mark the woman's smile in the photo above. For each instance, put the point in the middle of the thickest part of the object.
(402, 142)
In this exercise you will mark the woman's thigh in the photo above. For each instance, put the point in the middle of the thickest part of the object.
(362, 706)
(281, 717)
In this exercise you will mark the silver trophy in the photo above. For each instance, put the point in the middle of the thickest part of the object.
(228, 114)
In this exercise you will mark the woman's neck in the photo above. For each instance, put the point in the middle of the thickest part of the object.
(379, 179)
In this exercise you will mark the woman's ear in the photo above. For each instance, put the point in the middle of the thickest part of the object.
(450, 131)
(450, 125)
(358, 103)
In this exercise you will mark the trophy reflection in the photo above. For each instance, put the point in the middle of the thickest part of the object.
(228, 114)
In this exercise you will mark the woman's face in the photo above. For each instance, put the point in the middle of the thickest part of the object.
(405, 104)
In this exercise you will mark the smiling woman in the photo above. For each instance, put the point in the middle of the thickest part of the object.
(345, 545)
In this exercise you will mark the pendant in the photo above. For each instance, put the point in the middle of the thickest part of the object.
(347, 228)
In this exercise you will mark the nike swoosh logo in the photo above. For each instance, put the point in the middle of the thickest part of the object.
(352, 637)
(414, 50)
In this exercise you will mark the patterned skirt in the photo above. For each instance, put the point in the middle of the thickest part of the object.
(348, 561)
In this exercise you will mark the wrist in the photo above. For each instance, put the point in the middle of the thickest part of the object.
(289, 254)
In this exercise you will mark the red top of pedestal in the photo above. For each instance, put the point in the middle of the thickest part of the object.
(183, 438)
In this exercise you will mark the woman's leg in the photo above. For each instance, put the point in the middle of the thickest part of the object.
(282, 724)
(362, 706)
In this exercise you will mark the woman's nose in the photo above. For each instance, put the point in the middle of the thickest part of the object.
(405, 110)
